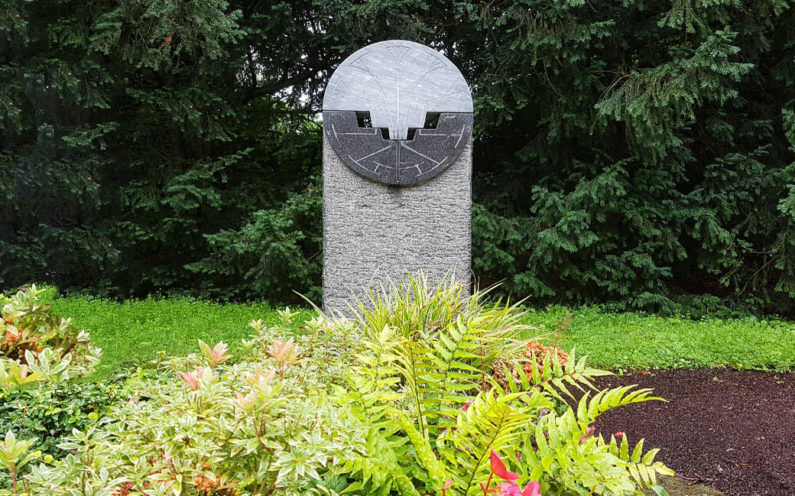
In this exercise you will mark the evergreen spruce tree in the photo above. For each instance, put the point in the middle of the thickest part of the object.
(638, 152)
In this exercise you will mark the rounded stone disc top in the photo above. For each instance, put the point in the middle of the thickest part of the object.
(397, 82)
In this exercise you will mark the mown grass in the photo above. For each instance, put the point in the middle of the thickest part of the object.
(628, 341)
(132, 333)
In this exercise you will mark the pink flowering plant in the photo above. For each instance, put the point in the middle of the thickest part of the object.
(215, 355)
(205, 426)
(36, 345)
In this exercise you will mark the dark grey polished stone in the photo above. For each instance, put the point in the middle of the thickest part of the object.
(397, 162)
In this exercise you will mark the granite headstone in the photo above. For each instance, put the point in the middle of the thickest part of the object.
(397, 164)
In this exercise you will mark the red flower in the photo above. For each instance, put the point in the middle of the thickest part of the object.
(619, 434)
(533, 488)
(511, 489)
(498, 467)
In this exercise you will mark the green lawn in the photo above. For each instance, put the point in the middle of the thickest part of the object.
(638, 341)
(132, 333)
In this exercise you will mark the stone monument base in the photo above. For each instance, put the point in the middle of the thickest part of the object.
(374, 234)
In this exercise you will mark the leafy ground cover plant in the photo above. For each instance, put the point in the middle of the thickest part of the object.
(402, 400)
(38, 345)
(47, 412)
(202, 425)
(133, 332)
(50, 411)
(630, 340)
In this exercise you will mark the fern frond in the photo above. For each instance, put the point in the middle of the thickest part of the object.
(416, 366)
(588, 409)
(371, 390)
(491, 422)
(560, 452)
(563, 450)
(375, 466)
(641, 466)
(437, 474)
(553, 377)
(458, 362)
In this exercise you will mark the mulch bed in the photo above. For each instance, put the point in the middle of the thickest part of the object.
(731, 430)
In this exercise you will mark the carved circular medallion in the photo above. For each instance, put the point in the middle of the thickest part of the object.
(395, 87)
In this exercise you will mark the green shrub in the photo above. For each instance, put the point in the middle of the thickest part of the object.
(39, 345)
(410, 398)
(203, 426)
(48, 412)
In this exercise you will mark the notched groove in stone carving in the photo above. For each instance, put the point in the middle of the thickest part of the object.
(397, 112)
(397, 162)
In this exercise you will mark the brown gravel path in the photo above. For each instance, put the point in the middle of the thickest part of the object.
(727, 429)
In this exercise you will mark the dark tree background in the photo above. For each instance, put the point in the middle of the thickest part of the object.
(627, 151)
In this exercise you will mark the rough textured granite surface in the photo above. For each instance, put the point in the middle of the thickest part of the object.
(374, 233)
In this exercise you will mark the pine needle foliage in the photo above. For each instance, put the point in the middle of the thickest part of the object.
(637, 153)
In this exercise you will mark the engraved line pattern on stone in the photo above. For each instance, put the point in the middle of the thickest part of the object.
(396, 162)
(398, 82)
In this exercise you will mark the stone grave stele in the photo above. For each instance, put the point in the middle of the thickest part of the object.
(397, 168)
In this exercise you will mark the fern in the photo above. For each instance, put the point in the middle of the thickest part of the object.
(641, 466)
(491, 422)
(553, 377)
(589, 409)
(440, 345)
(415, 365)
(437, 474)
(562, 448)
(418, 396)
(377, 470)
(458, 348)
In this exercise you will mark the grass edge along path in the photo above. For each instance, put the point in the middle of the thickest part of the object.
(132, 333)
(635, 341)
